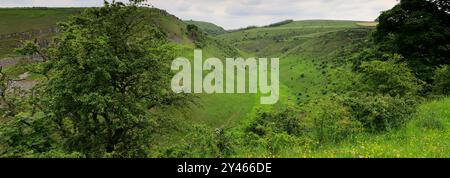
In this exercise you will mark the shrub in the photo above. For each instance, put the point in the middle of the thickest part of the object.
(288, 120)
(284, 22)
(390, 77)
(280, 142)
(442, 80)
(201, 142)
(380, 112)
(332, 122)
(197, 36)
(345, 81)
(26, 136)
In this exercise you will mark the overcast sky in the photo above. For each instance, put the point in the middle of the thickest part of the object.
(232, 14)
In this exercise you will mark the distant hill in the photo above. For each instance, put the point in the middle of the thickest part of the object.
(209, 28)
(15, 20)
(292, 37)
(328, 24)
(19, 24)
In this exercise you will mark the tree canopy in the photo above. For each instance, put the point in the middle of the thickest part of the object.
(106, 73)
(419, 30)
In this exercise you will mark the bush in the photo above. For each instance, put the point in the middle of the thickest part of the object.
(332, 122)
(201, 142)
(390, 77)
(280, 142)
(287, 120)
(27, 136)
(284, 22)
(381, 95)
(325, 121)
(442, 80)
(380, 112)
(345, 81)
(197, 36)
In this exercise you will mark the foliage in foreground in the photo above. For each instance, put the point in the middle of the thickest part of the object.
(426, 135)
(104, 76)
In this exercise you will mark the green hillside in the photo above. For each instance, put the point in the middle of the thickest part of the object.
(209, 28)
(279, 40)
(318, 81)
(16, 20)
(307, 50)
(322, 24)
(20, 24)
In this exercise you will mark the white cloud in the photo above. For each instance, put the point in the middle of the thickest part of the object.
(241, 13)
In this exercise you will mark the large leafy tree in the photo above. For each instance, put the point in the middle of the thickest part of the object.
(107, 74)
(419, 30)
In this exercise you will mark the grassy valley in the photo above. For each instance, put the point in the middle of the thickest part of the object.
(318, 81)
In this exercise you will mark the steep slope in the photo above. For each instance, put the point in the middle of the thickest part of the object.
(19, 24)
(284, 38)
(16, 20)
(307, 50)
